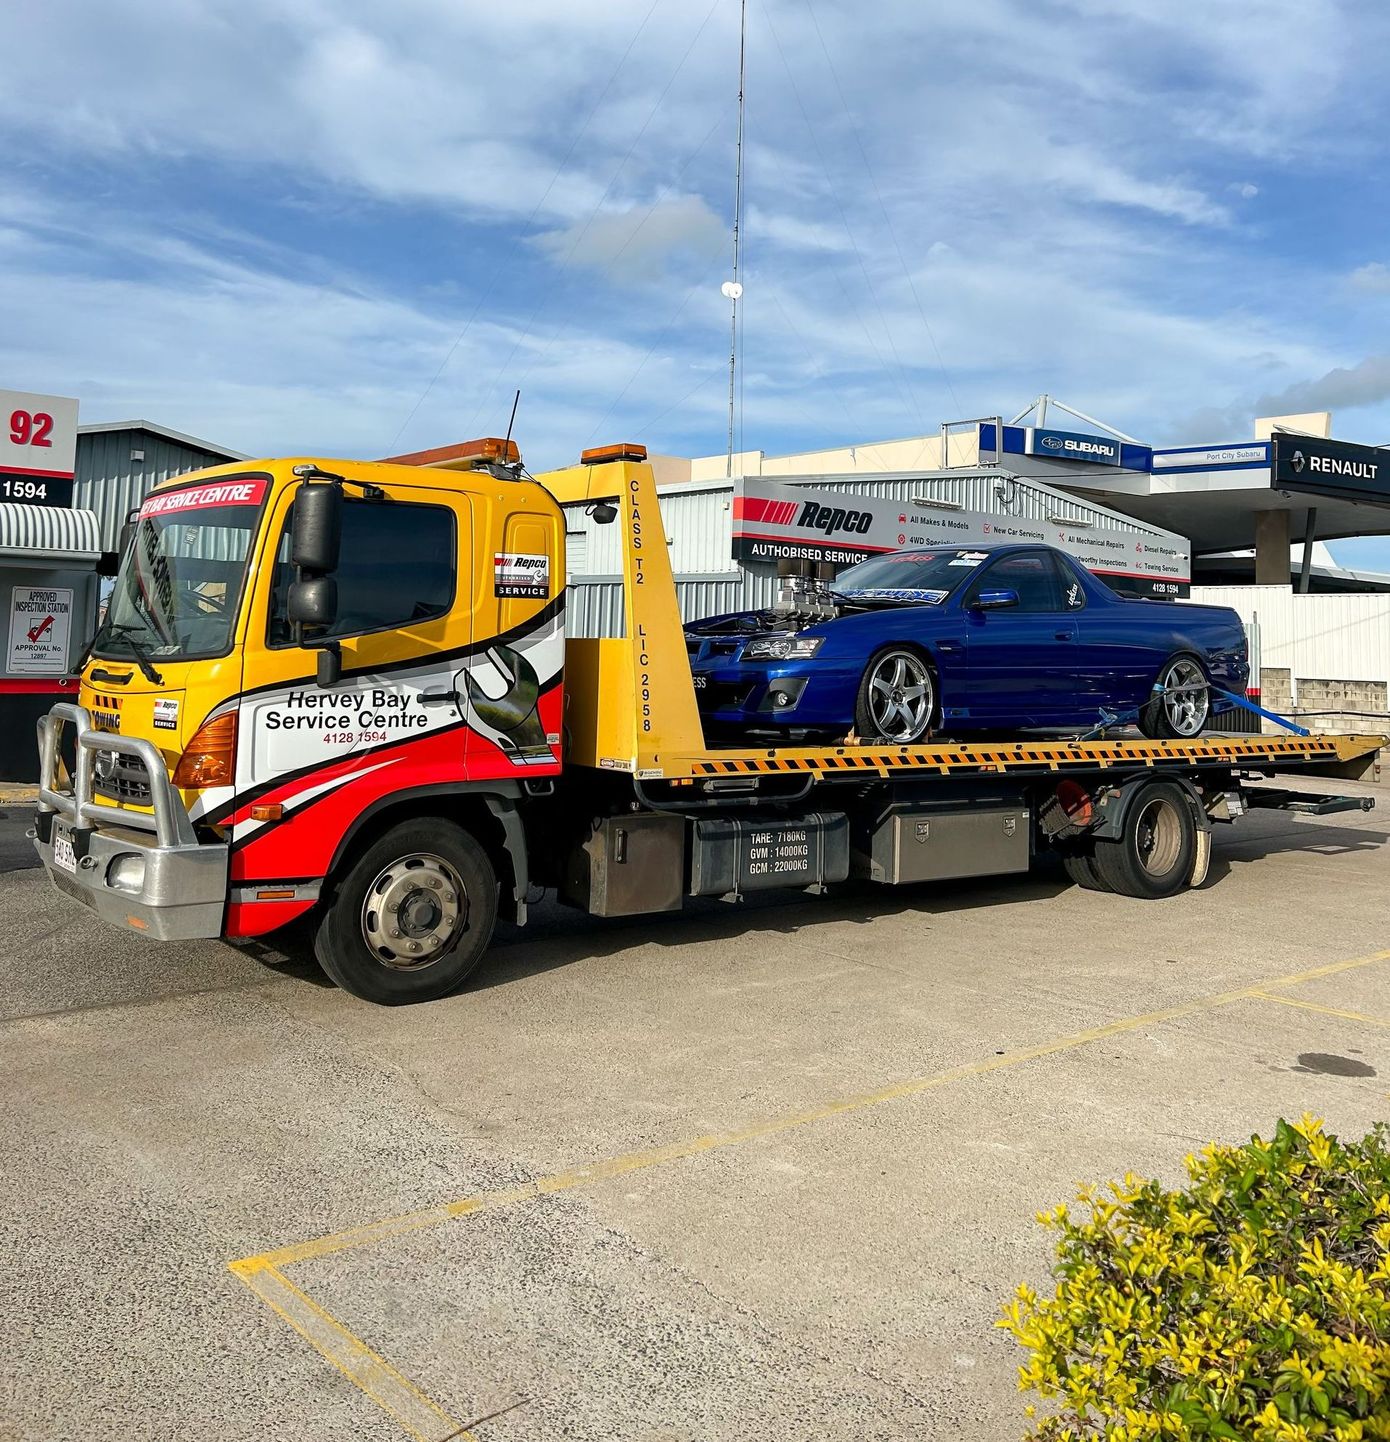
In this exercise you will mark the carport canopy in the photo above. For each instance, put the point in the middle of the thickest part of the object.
(48, 536)
(1225, 519)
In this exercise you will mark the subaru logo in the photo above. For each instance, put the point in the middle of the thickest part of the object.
(1298, 463)
(1054, 443)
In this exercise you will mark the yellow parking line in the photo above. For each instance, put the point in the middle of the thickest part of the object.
(392, 1392)
(1325, 1010)
(387, 1227)
(423, 1419)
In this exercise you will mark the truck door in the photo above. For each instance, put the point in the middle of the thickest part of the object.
(510, 683)
(324, 755)
(1020, 658)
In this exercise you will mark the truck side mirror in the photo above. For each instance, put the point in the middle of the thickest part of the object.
(318, 527)
(313, 602)
(127, 531)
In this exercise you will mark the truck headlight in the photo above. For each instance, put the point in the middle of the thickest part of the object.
(783, 648)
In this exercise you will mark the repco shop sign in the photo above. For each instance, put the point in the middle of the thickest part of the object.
(774, 522)
(1334, 468)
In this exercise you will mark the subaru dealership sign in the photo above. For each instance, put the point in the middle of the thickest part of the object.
(1182, 460)
(776, 522)
(1071, 446)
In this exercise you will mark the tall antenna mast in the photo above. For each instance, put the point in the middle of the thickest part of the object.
(733, 289)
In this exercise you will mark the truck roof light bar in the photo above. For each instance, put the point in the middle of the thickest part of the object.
(465, 456)
(605, 455)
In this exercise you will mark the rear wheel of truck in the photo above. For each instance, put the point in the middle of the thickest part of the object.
(411, 916)
(1156, 853)
(1080, 866)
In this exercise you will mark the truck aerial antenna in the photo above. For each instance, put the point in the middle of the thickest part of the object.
(516, 401)
(733, 289)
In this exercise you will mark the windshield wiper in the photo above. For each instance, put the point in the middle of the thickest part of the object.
(77, 668)
(142, 656)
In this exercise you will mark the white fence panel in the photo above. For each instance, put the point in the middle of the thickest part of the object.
(1343, 638)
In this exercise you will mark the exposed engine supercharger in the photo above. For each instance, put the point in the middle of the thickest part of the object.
(803, 593)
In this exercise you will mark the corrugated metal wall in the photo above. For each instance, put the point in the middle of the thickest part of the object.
(594, 604)
(108, 482)
(1342, 638)
(699, 524)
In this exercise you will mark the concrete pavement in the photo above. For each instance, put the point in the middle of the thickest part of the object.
(748, 1173)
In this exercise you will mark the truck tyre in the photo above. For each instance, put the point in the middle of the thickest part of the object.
(1182, 714)
(1155, 854)
(897, 697)
(1080, 867)
(411, 916)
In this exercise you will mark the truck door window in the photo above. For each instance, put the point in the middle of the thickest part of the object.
(397, 567)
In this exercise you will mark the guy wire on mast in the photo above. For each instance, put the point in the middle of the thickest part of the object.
(733, 288)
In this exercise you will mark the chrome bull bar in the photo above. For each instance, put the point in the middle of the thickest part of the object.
(169, 822)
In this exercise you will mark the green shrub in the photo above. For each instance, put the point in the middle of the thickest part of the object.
(1253, 1304)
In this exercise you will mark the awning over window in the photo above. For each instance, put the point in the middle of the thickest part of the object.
(38, 536)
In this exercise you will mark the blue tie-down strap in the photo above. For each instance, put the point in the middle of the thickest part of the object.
(1111, 719)
(1249, 705)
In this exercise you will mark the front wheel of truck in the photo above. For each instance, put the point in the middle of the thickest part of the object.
(411, 916)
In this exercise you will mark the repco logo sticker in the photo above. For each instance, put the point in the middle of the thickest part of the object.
(834, 520)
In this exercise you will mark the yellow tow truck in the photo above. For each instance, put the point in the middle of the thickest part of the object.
(341, 692)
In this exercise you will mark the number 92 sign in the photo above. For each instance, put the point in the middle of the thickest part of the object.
(38, 448)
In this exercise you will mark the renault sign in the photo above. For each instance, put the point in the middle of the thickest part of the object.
(1315, 466)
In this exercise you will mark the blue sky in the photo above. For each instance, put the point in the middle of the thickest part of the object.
(354, 228)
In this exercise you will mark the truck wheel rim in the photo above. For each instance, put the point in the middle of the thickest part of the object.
(1158, 836)
(1186, 708)
(900, 696)
(413, 912)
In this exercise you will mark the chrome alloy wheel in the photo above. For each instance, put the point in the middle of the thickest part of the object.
(901, 696)
(1186, 700)
(413, 912)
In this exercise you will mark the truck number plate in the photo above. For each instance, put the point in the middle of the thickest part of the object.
(64, 856)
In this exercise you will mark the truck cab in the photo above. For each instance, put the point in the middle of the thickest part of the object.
(292, 647)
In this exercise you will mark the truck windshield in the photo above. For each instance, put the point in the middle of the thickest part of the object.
(181, 580)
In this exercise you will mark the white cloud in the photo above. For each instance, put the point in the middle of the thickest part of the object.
(1343, 388)
(639, 241)
(1373, 277)
(1056, 181)
(268, 361)
(781, 229)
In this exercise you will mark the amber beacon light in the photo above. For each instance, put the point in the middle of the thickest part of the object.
(602, 455)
